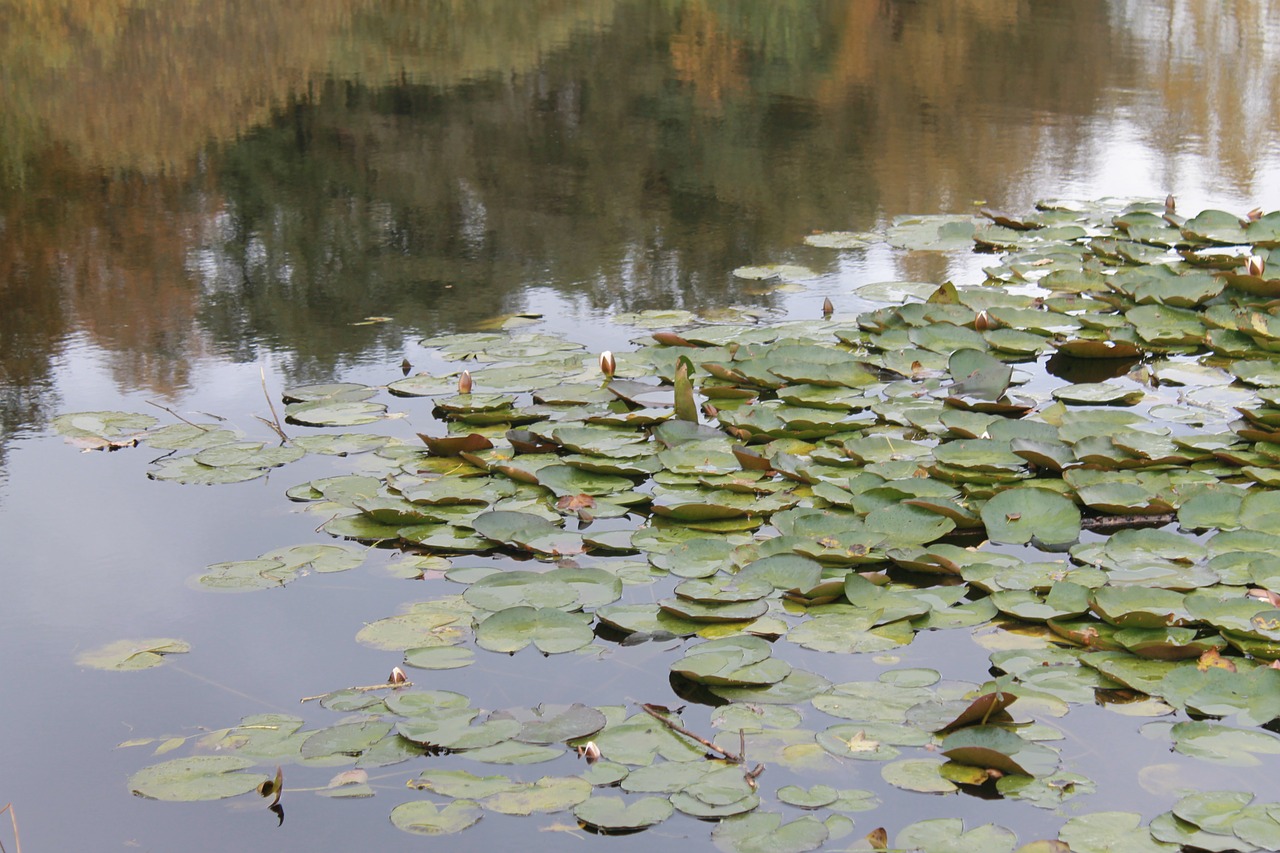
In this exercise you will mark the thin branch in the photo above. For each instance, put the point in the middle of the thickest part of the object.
(13, 819)
(366, 689)
(275, 427)
(1109, 522)
(200, 427)
(652, 711)
(275, 418)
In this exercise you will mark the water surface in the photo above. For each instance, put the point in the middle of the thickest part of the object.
(192, 195)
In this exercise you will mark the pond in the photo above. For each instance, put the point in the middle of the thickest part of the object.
(251, 220)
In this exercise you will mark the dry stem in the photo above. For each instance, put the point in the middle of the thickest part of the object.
(366, 689)
(274, 423)
(178, 416)
(652, 711)
(13, 819)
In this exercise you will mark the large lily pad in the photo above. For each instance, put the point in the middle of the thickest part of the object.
(1018, 516)
(552, 631)
(423, 817)
(199, 777)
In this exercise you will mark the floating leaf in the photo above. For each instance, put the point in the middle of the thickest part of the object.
(614, 814)
(547, 795)
(764, 832)
(1222, 744)
(422, 817)
(552, 631)
(132, 654)
(999, 749)
(200, 777)
(947, 835)
(1018, 516)
(917, 774)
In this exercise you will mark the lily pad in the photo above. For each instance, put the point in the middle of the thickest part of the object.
(1022, 515)
(132, 654)
(614, 814)
(764, 832)
(199, 777)
(552, 631)
(422, 817)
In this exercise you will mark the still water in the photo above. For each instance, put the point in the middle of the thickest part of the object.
(195, 195)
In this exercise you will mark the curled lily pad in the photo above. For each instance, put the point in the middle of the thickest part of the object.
(999, 749)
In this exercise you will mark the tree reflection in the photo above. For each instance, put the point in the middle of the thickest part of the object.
(234, 177)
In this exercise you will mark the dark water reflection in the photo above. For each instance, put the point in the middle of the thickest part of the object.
(188, 193)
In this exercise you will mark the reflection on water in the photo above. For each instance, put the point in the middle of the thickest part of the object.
(189, 189)
(220, 179)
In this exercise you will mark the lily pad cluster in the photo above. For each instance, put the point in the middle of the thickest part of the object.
(1074, 460)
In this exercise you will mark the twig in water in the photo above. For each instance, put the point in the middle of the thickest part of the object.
(365, 689)
(200, 427)
(274, 423)
(652, 711)
(13, 819)
(1114, 522)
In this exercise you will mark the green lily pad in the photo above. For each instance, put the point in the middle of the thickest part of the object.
(1022, 515)
(548, 724)
(462, 784)
(132, 654)
(1111, 832)
(426, 818)
(547, 795)
(1223, 744)
(764, 832)
(732, 661)
(199, 777)
(948, 835)
(614, 814)
(999, 749)
(107, 426)
(1098, 394)
(917, 774)
(552, 631)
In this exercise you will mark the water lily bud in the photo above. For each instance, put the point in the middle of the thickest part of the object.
(397, 676)
(607, 364)
(464, 382)
(590, 752)
(983, 322)
(827, 308)
(1256, 265)
(1170, 204)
